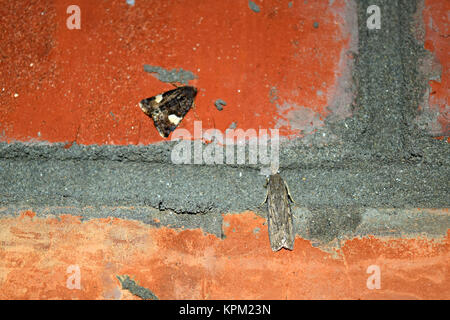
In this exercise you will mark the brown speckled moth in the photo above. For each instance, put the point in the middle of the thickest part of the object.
(281, 231)
(169, 108)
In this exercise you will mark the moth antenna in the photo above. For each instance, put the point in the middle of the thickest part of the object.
(289, 193)
(267, 193)
(265, 199)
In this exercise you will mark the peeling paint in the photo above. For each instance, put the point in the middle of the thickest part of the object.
(298, 118)
(253, 6)
(170, 76)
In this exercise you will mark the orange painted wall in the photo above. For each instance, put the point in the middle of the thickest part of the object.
(188, 264)
(84, 85)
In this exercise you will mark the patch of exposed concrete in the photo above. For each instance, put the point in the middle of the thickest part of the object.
(253, 6)
(325, 224)
(388, 83)
(170, 76)
(298, 118)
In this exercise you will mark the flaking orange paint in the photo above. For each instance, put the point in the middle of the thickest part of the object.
(189, 264)
(435, 17)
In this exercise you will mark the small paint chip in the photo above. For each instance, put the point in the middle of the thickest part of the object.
(220, 104)
(16, 95)
(316, 25)
(233, 125)
(253, 6)
(170, 76)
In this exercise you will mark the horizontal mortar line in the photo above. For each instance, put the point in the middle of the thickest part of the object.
(300, 165)
(48, 209)
(160, 153)
(384, 222)
(421, 186)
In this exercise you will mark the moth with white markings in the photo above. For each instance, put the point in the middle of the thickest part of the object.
(281, 231)
(169, 108)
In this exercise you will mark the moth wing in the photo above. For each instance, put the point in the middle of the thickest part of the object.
(280, 222)
(281, 233)
(169, 108)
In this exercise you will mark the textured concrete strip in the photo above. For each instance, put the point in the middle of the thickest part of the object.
(389, 85)
(331, 146)
(202, 189)
(174, 75)
(322, 225)
(404, 223)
